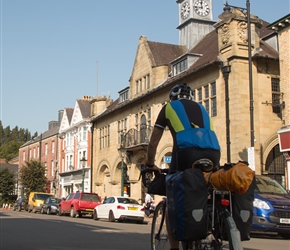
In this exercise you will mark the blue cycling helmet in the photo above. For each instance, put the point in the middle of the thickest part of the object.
(181, 90)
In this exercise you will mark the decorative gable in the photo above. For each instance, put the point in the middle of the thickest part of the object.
(65, 121)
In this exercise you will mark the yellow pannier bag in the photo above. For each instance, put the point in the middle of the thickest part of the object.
(231, 177)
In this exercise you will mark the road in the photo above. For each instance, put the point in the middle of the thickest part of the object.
(28, 231)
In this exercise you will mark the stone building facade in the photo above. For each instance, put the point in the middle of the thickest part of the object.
(282, 28)
(217, 69)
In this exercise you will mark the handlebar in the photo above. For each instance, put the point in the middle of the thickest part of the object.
(148, 174)
(146, 169)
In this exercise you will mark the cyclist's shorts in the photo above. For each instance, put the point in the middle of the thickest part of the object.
(183, 158)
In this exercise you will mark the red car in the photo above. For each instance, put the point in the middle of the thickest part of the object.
(79, 203)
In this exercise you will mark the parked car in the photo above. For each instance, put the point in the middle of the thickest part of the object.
(20, 204)
(50, 206)
(36, 200)
(271, 211)
(79, 203)
(120, 208)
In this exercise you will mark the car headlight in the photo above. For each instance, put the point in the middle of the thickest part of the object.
(53, 207)
(261, 204)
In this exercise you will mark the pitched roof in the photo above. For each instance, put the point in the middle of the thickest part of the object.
(49, 133)
(207, 48)
(164, 53)
(69, 113)
(85, 108)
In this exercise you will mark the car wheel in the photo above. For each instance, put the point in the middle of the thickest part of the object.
(72, 212)
(42, 211)
(59, 211)
(111, 216)
(95, 215)
(48, 211)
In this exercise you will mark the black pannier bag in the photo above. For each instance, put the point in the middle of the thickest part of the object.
(187, 205)
(154, 181)
(243, 211)
(158, 185)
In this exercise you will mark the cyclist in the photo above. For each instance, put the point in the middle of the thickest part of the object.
(192, 132)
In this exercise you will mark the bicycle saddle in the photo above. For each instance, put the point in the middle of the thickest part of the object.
(204, 164)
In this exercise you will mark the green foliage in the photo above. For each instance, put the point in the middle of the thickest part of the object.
(7, 184)
(11, 140)
(10, 150)
(32, 177)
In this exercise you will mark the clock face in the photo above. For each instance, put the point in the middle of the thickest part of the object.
(185, 9)
(201, 7)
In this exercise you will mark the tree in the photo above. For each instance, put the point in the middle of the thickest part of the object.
(32, 177)
(10, 150)
(2, 137)
(7, 184)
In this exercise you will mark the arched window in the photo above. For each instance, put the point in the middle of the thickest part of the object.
(276, 165)
(143, 130)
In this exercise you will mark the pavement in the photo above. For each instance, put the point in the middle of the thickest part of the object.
(147, 220)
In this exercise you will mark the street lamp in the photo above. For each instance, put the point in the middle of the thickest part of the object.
(226, 69)
(55, 180)
(251, 153)
(83, 161)
(122, 153)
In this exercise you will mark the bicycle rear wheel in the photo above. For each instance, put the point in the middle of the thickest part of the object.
(159, 238)
(225, 231)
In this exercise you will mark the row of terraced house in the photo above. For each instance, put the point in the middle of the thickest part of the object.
(99, 145)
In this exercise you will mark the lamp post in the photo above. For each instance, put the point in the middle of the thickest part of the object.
(83, 161)
(226, 69)
(251, 153)
(55, 180)
(122, 152)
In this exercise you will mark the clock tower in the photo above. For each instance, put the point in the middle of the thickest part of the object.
(195, 21)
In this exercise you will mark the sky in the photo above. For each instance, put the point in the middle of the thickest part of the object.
(54, 52)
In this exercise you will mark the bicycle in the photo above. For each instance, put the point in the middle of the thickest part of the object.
(222, 230)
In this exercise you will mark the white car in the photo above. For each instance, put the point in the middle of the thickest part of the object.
(119, 208)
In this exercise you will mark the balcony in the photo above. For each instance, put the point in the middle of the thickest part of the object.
(134, 140)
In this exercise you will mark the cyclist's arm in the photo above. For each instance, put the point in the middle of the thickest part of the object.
(152, 146)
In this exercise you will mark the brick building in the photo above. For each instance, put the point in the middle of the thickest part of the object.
(45, 149)
(75, 148)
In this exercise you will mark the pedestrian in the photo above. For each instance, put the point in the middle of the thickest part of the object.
(148, 204)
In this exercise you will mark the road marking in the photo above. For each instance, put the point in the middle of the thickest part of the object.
(28, 216)
(55, 221)
(90, 227)
(98, 229)
(105, 230)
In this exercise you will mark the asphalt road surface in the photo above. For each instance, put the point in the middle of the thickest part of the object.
(29, 231)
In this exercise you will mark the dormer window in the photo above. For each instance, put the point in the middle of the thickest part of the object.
(180, 66)
(124, 95)
(182, 63)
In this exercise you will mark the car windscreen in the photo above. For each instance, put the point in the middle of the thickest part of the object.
(42, 196)
(55, 200)
(90, 197)
(267, 185)
(127, 201)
